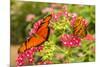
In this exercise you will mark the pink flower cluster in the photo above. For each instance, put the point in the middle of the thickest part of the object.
(56, 16)
(70, 40)
(35, 27)
(27, 55)
(73, 17)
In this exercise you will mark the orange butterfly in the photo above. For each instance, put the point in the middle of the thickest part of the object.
(79, 29)
(39, 37)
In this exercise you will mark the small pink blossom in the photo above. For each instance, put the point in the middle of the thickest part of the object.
(20, 60)
(55, 17)
(60, 13)
(66, 14)
(35, 49)
(70, 40)
(35, 27)
(31, 60)
(28, 53)
(46, 10)
(90, 37)
(74, 16)
(40, 48)
(85, 22)
(30, 17)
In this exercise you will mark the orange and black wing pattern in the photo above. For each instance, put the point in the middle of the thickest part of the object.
(39, 37)
(79, 29)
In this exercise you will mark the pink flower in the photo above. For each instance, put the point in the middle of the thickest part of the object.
(85, 22)
(74, 16)
(70, 40)
(28, 54)
(66, 14)
(22, 57)
(55, 17)
(46, 10)
(40, 48)
(90, 37)
(30, 17)
(20, 60)
(32, 31)
(60, 13)
(35, 27)
(31, 60)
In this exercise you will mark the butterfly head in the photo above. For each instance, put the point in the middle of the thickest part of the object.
(47, 19)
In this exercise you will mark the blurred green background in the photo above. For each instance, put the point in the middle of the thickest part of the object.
(20, 9)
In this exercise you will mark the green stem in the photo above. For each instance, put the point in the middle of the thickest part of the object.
(68, 54)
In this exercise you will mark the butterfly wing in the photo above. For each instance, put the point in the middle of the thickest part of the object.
(32, 42)
(22, 48)
(38, 38)
(79, 28)
(44, 33)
